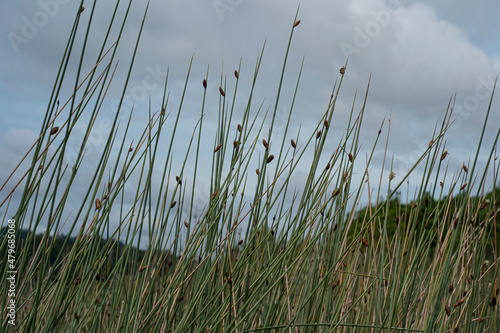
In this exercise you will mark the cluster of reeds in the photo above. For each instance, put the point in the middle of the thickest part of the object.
(277, 259)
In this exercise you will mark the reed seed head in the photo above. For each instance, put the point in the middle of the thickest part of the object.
(335, 284)
(463, 186)
(214, 195)
(269, 159)
(257, 171)
(392, 175)
(205, 84)
(186, 224)
(222, 92)
(54, 130)
(97, 204)
(296, 23)
(236, 75)
(142, 268)
(239, 128)
(173, 204)
(465, 168)
(327, 125)
(217, 148)
(458, 303)
(342, 70)
(294, 145)
(447, 309)
(365, 242)
(264, 142)
(445, 153)
(318, 134)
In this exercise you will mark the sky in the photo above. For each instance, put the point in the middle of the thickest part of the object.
(419, 54)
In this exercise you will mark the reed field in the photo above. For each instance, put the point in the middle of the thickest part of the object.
(260, 255)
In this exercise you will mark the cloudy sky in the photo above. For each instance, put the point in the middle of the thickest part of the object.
(418, 53)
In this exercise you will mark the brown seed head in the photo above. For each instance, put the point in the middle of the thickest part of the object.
(54, 130)
(485, 203)
(257, 171)
(239, 128)
(350, 157)
(447, 309)
(205, 84)
(443, 156)
(318, 134)
(235, 143)
(463, 186)
(365, 242)
(236, 74)
(217, 148)
(465, 168)
(392, 175)
(335, 284)
(222, 92)
(458, 303)
(327, 125)
(264, 142)
(296, 23)
(294, 145)
(97, 204)
(142, 268)
(214, 195)
(270, 158)
(82, 9)
(240, 242)
(336, 192)
(342, 70)
(186, 224)
(173, 204)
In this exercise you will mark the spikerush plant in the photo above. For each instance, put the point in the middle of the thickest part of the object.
(283, 260)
